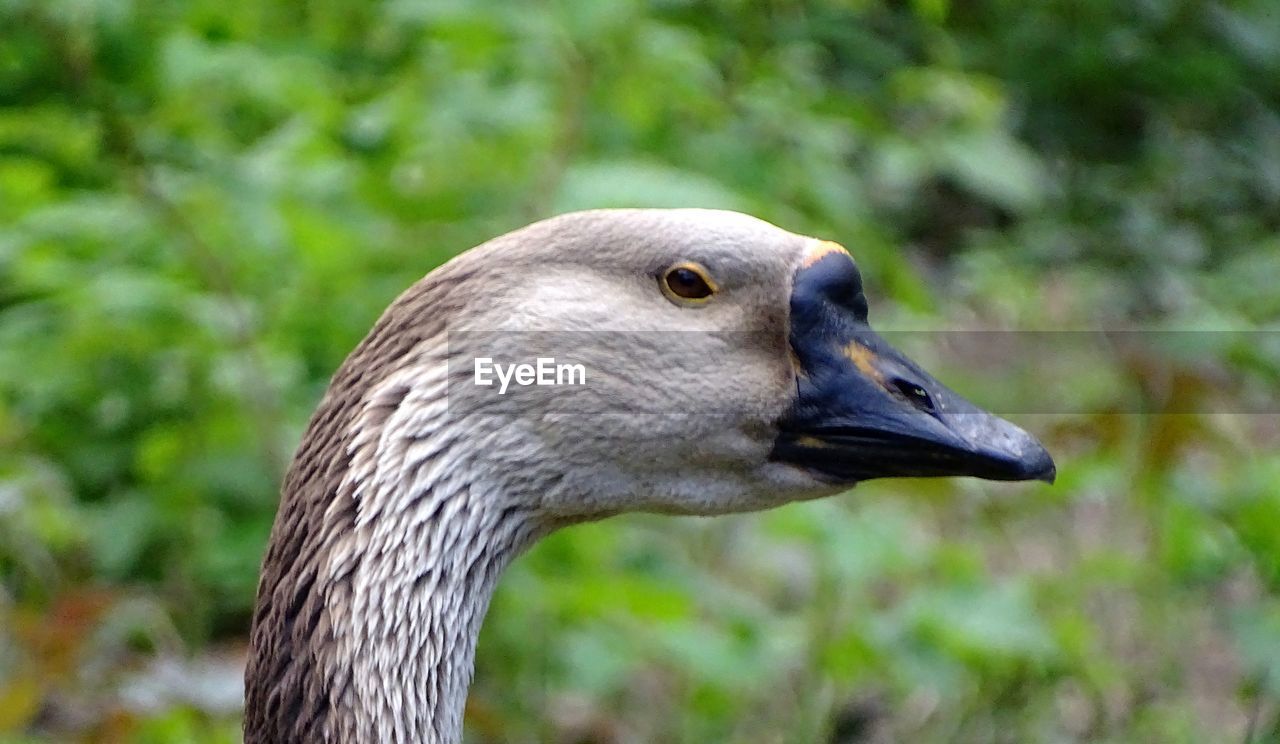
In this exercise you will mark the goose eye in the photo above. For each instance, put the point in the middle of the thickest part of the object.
(687, 281)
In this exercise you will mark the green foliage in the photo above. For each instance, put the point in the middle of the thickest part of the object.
(204, 205)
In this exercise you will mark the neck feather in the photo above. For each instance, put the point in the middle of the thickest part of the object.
(384, 556)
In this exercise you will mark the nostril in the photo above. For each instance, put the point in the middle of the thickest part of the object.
(913, 394)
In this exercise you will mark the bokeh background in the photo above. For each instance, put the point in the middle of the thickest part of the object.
(205, 204)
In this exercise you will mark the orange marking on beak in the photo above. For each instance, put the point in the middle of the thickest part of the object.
(816, 249)
(865, 360)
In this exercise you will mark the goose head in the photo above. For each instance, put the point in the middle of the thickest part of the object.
(726, 365)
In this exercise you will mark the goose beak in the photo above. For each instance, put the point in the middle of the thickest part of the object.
(864, 410)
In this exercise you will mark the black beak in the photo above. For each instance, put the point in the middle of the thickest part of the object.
(864, 410)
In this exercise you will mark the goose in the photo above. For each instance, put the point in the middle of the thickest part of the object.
(729, 367)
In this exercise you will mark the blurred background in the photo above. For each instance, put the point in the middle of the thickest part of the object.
(205, 204)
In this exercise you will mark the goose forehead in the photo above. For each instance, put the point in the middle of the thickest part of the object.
(647, 240)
